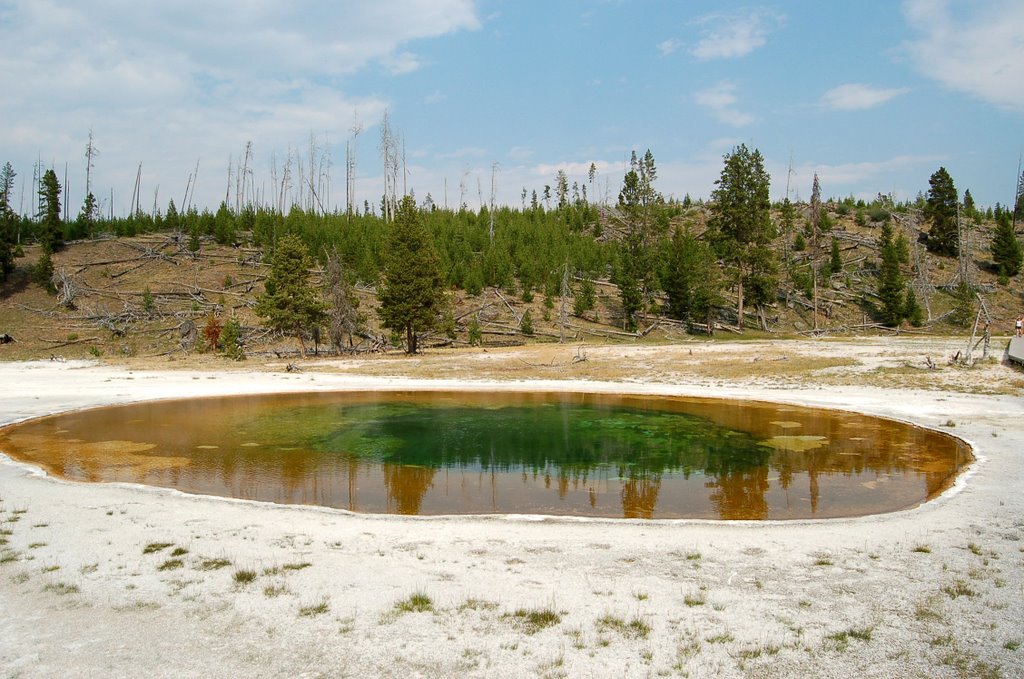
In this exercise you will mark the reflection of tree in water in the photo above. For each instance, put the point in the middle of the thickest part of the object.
(639, 496)
(406, 487)
(739, 481)
(740, 494)
(563, 447)
(593, 451)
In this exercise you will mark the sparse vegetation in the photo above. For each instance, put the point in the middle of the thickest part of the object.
(213, 564)
(61, 588)
(958, 588)
(272, 590)
(244, 576)
(319, 608)
(156, 547)
(417, 602)
(533, 620)
(636, 628)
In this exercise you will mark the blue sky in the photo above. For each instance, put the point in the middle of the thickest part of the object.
(873, 96)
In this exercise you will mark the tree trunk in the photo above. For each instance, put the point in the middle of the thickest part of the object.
(302, 344)
(410, 339)
(739, 312)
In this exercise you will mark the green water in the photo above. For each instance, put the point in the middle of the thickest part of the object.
(451, 453)
(546, 437)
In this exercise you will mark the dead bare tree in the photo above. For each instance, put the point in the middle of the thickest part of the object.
(389, 155)
(343, 315)
(494, 172)
(350, 164)
(815, 227)
(65, 286)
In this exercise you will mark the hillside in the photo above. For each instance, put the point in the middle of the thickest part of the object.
(149, 296)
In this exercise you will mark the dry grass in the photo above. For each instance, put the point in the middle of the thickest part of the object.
(666, 354)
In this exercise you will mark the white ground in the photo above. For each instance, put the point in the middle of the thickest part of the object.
(934, 591)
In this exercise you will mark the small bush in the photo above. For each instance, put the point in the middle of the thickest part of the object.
(148, 301)
(231, 340)
(318, 608)
(526, 325)
(244, 576)
(533, 620)
(42, 273)
(418, 602)
(212, 330)
(474, 332)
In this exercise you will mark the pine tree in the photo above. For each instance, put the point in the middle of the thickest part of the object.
(526, 325)
(290, 303)
(912, 310)
(412, 296)
(85, 224)
(835, 263)
(970, 210)
(172, 221)
(584, 299)
(692, 281)
(634, 271)
(963, 304)
(8, 222)
(224, 225)
(891, 287)
(1018, 201)
(742, 226)
(1006, 249)
(50, 230)
(941, 210)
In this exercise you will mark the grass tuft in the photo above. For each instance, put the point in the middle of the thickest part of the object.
(271, 591)
(243, 576)
(156, 547)
(313, 610)
(720, 638)
(61, 588)
(958, 588)
(533, 620)
(922, 549)
(418, 602)
(636, 628)
(179, 551)
(213, 564)
(170, 565)
(473, 604)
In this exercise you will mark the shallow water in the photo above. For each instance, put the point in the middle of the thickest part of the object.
(501, 452)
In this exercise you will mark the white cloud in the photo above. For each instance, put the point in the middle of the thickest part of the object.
(520, 153)
(720, 100)
(573, 168)
(972, 47)
(840, 179)
(727, 36)
(160, 83)
(856, 96)
(667, 47)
